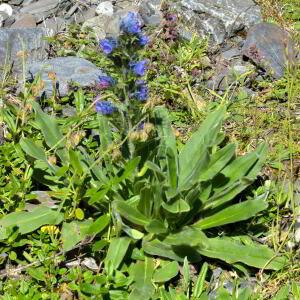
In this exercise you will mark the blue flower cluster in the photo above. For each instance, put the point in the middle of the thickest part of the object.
(108, 45)
(105, 107)
(142, 91)
(132, 38)
(105, 82)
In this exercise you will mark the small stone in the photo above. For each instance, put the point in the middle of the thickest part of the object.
(67, 70)
(25, 21)
(270, 48)
(151, 12)
(231, 53)
(90, 263)
(105, 8)
(6, 8)
(53, 25)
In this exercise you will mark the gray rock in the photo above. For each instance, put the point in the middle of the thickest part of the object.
(3, 17)
(25, 21)
(43, 8)
(219, 18)
(270, 47)
(17, 42)
(53, 25)
(67, 70)
(104, 25)
(150, 12)
(231, 53)
(105, 8)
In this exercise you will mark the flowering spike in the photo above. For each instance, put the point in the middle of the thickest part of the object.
(142, 91)
(143, 40)
(105, 107)
(139, 68)
(105, 82)
(131, 23)
(108, 45)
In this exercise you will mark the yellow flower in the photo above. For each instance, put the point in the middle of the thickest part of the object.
(50, 229)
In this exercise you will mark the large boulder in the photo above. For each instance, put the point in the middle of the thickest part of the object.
(66, 70)
(22, 44)
(270, 48)
(219, 18)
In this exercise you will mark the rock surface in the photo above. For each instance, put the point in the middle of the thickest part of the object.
(219, 18)
(270, 48)
(67, 70)
(15, 43)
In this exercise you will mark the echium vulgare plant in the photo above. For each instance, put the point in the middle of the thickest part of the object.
(130, 91)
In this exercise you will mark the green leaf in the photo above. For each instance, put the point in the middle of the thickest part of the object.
(156, 226)
(33, 149)
(194, 158)
(116, 252)
(30, 221)
(199, 286)
(38, 273)
(100, 224)
(142, 275)
(172, 167)
(218, 161)
(178, 206)
(130, 213)
(234, 213)
(166, 272)
(50, 130)
(232, 252)
(73, 233)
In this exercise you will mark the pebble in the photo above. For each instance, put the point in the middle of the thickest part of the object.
(105, 8)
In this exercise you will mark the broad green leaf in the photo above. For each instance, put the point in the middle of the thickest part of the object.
(193, 158)
(130, 213)
(38, 273)
(142, 273)
(166, 272)
(146, 201)
(30, 221)
(232, 252)
(73, 233)
(116, 252)
(100, 224)
(172, 167)
(50, 130)
(199, 286)
(178, 253)
(33, 150)
(234, 213)
(156, 226)
(75, 162)
(178, 206)
(218, 161)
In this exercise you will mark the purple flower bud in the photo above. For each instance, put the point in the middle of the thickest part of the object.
(131, 23)
(139, 68)
(142, 91)
(108, 45)
(143, 40)
(105, 107)
(105, 82)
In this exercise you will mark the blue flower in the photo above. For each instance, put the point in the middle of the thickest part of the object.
(105, 82)
(142, 91)
(131, 23)
(139, 68)
(105, 107)
(143, 40)
(108, 45)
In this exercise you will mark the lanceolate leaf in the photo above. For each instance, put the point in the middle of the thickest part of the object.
(232, 252)
(130, 213)
(116, 251)
(232, 214)
(33, 149)
(197, 147)
(166, 272)
(30, 221)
